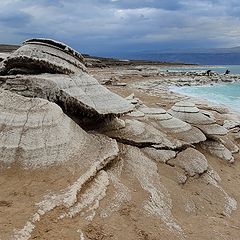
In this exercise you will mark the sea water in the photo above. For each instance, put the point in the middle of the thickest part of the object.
(222, 93)
(227, 93)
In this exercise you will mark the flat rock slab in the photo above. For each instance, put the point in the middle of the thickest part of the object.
(169, 123)
(227, 142)
(190, 160)
(136, 114)
(192, 136)
(192, 117)
(176, 128)
(153, 111)
(185, 109)
(159, 155)
(213, 129)
(80, 94)
(229, 124)
(140, 134)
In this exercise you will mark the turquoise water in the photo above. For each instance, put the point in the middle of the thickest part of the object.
(227, 94)
(234, 69)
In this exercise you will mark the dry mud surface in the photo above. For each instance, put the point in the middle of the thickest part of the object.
(134, 196)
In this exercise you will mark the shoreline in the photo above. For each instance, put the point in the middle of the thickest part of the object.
(144, 80)
(199, 96)
(128, 159)
(173, 68)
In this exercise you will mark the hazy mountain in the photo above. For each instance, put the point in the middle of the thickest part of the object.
(210, 56)
(203, 56)
(197, 50)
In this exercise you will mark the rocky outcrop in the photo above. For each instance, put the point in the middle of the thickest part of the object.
(179, 129)
(140, 134)
(48, 61)
(146, 172)
(189, 113)
(35, 133)
(191, 161)
(43, 56)
(218, 150)
(80, 94)
(216, 133)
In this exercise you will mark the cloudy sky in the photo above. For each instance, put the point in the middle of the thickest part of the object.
(111, 26)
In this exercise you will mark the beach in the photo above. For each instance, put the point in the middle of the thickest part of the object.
(189, 80)
(155, 172)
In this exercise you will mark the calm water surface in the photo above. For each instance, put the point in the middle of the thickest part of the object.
(227, 93)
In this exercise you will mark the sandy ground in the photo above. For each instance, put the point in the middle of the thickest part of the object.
(199, 209)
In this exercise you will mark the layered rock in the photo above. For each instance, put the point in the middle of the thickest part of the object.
(43, 56)
(218, 150)
(216, 133)
(88, 177)
(159, 155)
(141, 134)
(80, 93)
(36, 133)
(189, 113)
(162, 120)
(48, 62)
(192, 161)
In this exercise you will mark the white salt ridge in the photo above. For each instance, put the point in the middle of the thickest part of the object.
(91, 198)
(122, 192)
(66, 198)
(159, 202)
(25, 232)
(81, 234)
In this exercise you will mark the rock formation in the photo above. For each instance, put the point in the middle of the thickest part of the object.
(72, 154)
(78, 92)
(36, 133)
(189, 113)
(160, 119)
(43, 56)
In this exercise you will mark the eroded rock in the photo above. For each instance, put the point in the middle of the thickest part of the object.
(189, 113)
(159, 155)
(80, 94)
(44, 56)
(140, 134)
(190, 160)
(49, 61)
(218, 150)
(36, 133)
(183, 131)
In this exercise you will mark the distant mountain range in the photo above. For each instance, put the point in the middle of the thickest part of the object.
(203, 50)
(203, 56)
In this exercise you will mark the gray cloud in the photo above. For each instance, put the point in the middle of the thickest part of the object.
(121, 25)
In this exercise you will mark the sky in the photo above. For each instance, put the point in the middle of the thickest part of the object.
(116, 26)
